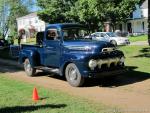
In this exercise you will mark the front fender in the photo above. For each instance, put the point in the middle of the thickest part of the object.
(80, 60)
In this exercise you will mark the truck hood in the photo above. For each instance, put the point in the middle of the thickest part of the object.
(87, 45)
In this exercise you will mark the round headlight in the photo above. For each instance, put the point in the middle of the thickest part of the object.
(92, 63)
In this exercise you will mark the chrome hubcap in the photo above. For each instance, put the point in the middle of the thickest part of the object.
(72, 74)
(28, 67)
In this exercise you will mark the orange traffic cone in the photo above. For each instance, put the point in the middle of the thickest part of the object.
(35, 96)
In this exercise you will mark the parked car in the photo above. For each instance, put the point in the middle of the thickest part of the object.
(63, 49)
(111, 37)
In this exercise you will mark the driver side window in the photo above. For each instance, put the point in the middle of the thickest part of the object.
(52, 34)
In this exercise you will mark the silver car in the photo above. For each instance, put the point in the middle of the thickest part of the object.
(111, 37)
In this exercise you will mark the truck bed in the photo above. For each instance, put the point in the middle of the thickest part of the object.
(30, 47)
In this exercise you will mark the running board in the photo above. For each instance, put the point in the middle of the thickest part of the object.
(52, 70)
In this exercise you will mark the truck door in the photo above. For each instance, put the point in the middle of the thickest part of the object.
(52, 48)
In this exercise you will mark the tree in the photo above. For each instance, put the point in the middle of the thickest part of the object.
(90, 12)
(10, 10)
(55, 10)
(59, 11)
(118, 11)
(17, 9)
(3, 16)
(149, 30)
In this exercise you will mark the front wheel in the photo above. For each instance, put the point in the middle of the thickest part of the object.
(73, 75)
(30, 71)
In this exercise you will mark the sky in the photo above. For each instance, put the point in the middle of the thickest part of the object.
(34, 6)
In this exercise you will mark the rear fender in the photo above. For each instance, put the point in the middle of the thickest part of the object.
(33, 57)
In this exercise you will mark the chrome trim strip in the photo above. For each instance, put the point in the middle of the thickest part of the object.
(108, 49)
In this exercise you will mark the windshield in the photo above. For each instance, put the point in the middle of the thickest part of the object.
(111, 34)
(76, 33)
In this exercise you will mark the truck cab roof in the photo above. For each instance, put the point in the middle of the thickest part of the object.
(64, 25)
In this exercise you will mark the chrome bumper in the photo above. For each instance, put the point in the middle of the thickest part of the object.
(107, 73)
(99, 62)
(108, 62)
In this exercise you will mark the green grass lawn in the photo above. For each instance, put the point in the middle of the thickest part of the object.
(16, 97)
(138, 56)
(138, 38)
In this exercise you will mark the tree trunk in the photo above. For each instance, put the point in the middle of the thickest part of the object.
(149, 34)
(113, 27)
(148, 38)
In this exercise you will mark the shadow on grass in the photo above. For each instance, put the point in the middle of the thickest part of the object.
(130, 77)
(145, 52)
(20, 109)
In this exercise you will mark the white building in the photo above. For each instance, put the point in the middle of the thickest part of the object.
(30, 22)
(138, 21)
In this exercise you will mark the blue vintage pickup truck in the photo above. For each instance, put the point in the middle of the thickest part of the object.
(66, 50)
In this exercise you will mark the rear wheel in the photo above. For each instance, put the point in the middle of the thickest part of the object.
(73, 75)
(30, 71)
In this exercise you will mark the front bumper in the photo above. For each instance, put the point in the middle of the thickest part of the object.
(107, 73)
